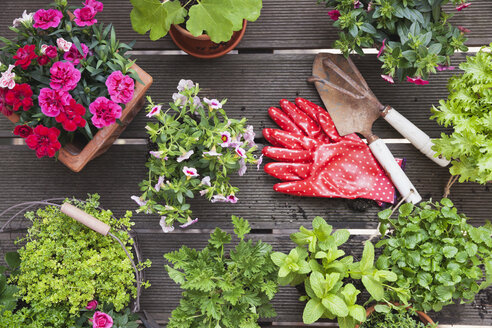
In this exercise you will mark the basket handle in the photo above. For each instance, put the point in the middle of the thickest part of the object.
(86, 219)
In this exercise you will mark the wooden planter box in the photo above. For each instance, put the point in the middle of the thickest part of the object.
(76, 158)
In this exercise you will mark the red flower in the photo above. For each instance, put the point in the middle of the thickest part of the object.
(417, 80)
(71, 116)
(5, 109)
(463, 6)
(334, 14)
(43, 60)
(20, 95)
(23, 131)
(51, 51)
(25, 55)
(44, 141)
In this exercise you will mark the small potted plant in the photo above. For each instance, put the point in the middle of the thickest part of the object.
(223, 289)
(71, 276)
(68, 83)
(204, 29)
(414, 38)
(437, 256)
(467, 111)
(321, 266)
(396, 316)
(195, 148)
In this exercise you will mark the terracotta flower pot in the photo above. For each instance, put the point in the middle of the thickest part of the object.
(76, 156)
(201, 46)
(422, 316)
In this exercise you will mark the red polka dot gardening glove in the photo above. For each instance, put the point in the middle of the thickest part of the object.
(314, 160)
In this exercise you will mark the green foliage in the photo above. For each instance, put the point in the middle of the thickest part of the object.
(192, 127)
(395, 317)
(8, 297)
(437, 256)
(323, 269)
(468, 111)
(64, 265)
(418, 34)
(223, 290)
(217, 18)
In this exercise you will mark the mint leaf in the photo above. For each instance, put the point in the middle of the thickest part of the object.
(335, 305)
(375, 288)
(313, 311)
(357, 312)
(367, 261)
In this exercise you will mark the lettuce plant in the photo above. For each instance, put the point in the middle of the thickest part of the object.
(437, 256)
(414, 36)
(221, 289)
(217, 18)
(468, 111)
(322, 267)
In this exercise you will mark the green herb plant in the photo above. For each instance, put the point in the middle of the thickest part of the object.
(217, 18)
(437, 256)
(221, 289)
(467, 111)
(64, 265)
(391, 316)
(8, 298)
(414, 36)
(197, 147)
(324, 270)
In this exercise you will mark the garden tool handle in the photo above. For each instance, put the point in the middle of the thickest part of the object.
(86, 219)
(394, 171)
(410, 131)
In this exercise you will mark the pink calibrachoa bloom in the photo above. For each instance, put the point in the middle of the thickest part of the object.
(388, 78)
(98, 6)
(120, 87)
(159, 183)
(63, 44)
(85, 16)
(334, 14)
(165, 227)
(154, 111)
(203, 192)
(92, 305)
(211, 153)
(139, 201)
(44, 19)
(7, 79)
(382, 48)
(249, 136)
(463, 6)
(235, 142)
(212, 103)
(101, 320)
(189, 222)
(241, 152)
(185, 156)
(53, 101)
(190, 172)
(225, 137)
(219, 199)
(206, 181)
(73, 54)
(197, 102)
(242, 167)
(105, 112)
(185, 85)
(179, 99)
(232, 199)
(441, 68)
(259, 161)
(64, 76)
(417, 80)
(156, 154)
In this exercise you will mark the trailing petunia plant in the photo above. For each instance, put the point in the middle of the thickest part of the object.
(468, 111)
(414, 37)
(64, 75)
(217, 18)
(195, 149)
(223, 289)
(437, 256)
(319, 264)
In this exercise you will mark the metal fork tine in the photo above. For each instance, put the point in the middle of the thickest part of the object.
(313, 79)
(357, 72)
(345, 76)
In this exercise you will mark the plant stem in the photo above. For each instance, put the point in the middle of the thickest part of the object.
(451, 181)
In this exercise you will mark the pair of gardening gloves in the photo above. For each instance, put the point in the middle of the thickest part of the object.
(314, 160)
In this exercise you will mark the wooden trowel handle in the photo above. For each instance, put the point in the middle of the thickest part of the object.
(394, 171)
(86, 219)
(416, 136)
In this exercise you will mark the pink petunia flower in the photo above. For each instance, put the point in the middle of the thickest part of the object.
(98, 6)
(154, 111)
(218, 199)
(212, 103)
(206, 181)
(242, 167)
(73, 54)
(241, 152)
(185, 85)
(225, 137)
(232, 199)
(382, 48)
(7, 79)
(159, 183)
(185, 156)
(388, 78)
(203, 192)
(63, 44)
(197, 102)
(190, 222)
(259, 161)
(85, 16)
(120, 87)
(463, 6)
(165, 227)
(334, 14)
(105, 112)
(64, 76)
(213, 152)
(139, 201)
(249, 136)
(44, 19)
(52, 102)
(156, 154)
(179, 99)
(417, 80)
(190, 172)
(92, 305)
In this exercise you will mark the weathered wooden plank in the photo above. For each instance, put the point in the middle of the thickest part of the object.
(292, 24)
(116, 174)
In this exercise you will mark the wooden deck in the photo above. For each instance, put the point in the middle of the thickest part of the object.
(272, 62)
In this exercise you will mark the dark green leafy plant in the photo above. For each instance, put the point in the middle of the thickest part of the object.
(438, 257)
(325, 272)
(468, 111)
(217, 18)
(223, 290)
(414, 36)
(394, 317)
(8, 297)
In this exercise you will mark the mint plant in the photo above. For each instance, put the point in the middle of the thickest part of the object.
(437, 256)
(217, 18)
(467, 111)
(221, 289)
(414, 37)
(324, 269)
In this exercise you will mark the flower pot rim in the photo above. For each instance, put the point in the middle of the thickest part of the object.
(422, 316)
(203, 36)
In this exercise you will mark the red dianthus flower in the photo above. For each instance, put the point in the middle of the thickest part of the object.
(44, 141)
(25, 55)
(71, 116)
(23, 131)
(20, 96)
